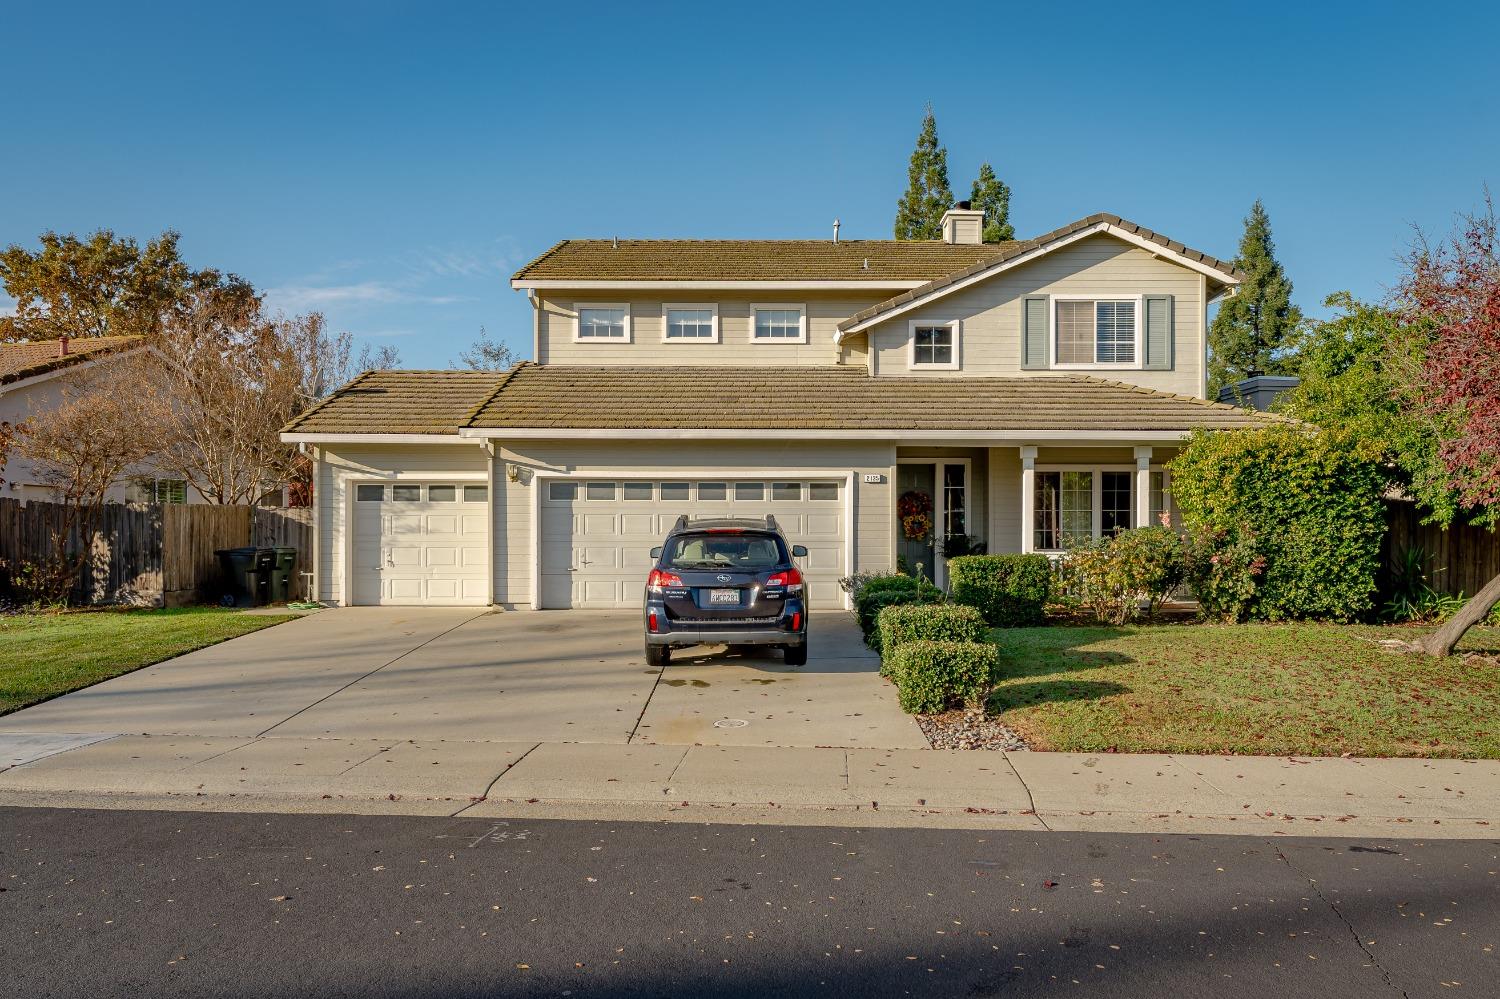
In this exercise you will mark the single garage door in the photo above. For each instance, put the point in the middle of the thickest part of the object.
(597, 534)
(420, 543)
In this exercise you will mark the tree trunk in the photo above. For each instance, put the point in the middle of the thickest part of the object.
(1442, 641)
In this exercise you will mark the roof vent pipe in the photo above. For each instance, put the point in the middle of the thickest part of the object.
(614, 242)
(835, 230)
(62, 345)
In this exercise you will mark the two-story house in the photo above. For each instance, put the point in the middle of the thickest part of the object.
(1021, 394)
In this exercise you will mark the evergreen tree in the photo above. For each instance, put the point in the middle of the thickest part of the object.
(1255, 325)
(919, 213)
(991, 195)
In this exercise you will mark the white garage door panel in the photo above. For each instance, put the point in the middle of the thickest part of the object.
(420, 550)
(596, 552)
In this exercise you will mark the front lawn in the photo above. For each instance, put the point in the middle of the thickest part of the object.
(44, 655)
(1264, 689)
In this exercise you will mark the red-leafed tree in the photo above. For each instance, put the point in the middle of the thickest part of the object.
(1450, 297)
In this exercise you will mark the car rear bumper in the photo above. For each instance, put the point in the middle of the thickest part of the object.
(735, 636)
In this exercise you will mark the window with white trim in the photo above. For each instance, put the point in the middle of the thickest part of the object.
(1075, 506)
(603, 322)
(778, 324)
(934, 345)
(693, 323)
(1096, 331)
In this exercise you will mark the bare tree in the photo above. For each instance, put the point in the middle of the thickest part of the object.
(486, 355)
(103, 425)
(231, 378)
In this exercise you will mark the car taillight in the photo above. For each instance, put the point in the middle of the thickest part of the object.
(658, 580)
(796, 621)
(791, 579)
(651, 622)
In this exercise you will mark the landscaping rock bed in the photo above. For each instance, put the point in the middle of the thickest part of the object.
(969, 728)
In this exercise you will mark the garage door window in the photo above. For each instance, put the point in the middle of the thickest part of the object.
(406, 494)
(442, 494)
(562, 490)
(369, 494)
(786, 491)
(601, 490)
(749, 490)
(713, 490)
(637, 491)
(822, 490)
(476, 494)
(671, 491)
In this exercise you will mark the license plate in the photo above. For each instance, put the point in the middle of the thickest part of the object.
(724, 596)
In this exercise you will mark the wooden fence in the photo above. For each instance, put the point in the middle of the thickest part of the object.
(154, 555)
(1459, 559)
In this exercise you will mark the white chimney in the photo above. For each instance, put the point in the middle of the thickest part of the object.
(835, 230)
(962, 224)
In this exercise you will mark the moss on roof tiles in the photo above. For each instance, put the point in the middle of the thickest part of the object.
(29, 358)
(399, 402)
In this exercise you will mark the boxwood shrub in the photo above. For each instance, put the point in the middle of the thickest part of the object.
(895, 626)
(889, 591)
(1009, 590)
(929, 676)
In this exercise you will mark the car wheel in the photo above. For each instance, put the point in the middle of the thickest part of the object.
(796, 655)
(659, 656)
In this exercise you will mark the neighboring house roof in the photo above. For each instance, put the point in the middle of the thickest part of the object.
(747, 400)
(778, 260)
(400, 402)
(30, 358)
(1012, 254)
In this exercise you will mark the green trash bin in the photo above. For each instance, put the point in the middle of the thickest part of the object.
(283, 571)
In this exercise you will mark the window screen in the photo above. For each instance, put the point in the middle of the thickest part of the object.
(690, 324)
(778, 324)
(601, 324)
(1096, 332)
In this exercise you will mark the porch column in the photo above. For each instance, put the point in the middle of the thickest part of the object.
(1143, 487)
(1028, 497)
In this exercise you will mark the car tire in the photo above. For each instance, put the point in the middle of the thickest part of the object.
(796, 655)
(659, 656)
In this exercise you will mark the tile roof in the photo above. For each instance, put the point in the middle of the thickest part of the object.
(29, 358)
(835, 398)
(400, 402)
(873, 260)
(1008, 251)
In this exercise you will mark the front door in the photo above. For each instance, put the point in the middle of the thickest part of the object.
(932, 507)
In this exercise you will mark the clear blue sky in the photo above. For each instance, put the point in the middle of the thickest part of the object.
(391, 163)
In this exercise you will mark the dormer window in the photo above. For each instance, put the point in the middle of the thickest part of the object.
(603, 322)
(1097, 332)
(778, 324)
(933, 345)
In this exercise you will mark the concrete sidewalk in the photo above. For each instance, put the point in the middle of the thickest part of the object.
(1056, 791)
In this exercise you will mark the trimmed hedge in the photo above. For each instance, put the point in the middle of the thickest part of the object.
(931, 675)
(889, 591)
(1009, 590)
(895, 626)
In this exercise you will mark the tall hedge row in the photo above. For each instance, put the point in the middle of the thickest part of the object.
(1305, 503)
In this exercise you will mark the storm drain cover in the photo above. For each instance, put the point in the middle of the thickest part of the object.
(730, 723)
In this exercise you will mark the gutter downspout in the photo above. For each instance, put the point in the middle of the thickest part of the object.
(536, 325)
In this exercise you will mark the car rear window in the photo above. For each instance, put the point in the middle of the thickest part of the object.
(724, 551)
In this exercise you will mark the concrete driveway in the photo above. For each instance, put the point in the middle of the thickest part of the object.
(395, 674)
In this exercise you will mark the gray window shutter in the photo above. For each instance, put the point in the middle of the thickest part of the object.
(1161, 347)
(1034, 328)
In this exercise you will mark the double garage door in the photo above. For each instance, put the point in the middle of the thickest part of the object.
(420, 543)
(597, 534)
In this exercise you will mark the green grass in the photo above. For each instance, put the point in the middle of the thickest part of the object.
(44, 655)
(1264, 689)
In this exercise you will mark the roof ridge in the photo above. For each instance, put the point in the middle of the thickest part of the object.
(504, 380)
(336, 393)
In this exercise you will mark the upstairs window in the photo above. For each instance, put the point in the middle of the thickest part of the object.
(933, 345)
(778, 324)
(1097, 332)
(692, 323)
(603, 322)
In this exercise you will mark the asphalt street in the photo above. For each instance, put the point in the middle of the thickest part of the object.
(133, 903)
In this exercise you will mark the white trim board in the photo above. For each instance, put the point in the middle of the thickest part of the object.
(1099, 227)
(1080, 437)
(296, 437)
(589, 285)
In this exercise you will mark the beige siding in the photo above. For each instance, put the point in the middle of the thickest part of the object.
(991, 313)
(647, 319)
(515, 546)
(344, 463)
